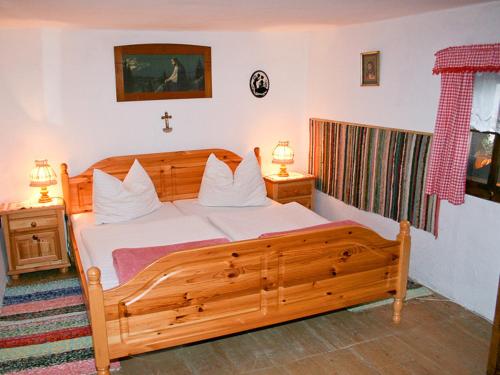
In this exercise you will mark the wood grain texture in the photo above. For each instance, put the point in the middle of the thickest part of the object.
(203, 293)
(292, 189)
(97, 320)
(404, 263)
(34, 238)
(214, 291)
(79, 266)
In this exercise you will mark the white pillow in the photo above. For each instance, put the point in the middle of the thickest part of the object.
(220, 188)
(116, 201)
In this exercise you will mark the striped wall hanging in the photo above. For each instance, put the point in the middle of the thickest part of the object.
(375, 169)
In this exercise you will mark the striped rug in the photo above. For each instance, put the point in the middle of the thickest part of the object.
(44, 329)
(374, 169)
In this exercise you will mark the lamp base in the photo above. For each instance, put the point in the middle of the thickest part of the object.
(283, 172)
(44, 195)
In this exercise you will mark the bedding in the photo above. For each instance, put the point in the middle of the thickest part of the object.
(166, 210)
(194, 207)
(100, 241)
(82, 221)
(87, 220)
(251, 224)
(129, 262)
(219, 187)
(332, 224)
(116, 201)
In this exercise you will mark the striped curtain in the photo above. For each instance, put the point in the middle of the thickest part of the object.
(374, 169)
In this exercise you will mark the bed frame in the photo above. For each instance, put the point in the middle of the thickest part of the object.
(213, 291)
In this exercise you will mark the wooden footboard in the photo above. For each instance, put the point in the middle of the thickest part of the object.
(203, 293)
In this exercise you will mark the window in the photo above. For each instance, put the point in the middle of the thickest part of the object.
(483, 168)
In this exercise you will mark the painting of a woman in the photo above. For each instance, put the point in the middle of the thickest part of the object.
(370, 70)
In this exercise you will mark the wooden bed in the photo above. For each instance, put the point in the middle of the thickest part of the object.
(214, 291)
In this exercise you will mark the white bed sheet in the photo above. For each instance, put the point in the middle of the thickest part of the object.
(275, 218)
(161, 227)
(193, 207)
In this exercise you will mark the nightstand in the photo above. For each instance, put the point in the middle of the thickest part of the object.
(34, 237)
(296, 187)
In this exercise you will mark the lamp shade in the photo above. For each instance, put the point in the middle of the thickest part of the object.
(42, 175)
(282, 153)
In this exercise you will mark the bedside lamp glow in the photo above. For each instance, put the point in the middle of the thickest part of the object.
(282, 154)
(42, 176)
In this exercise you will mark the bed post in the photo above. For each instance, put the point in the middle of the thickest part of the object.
(65, 187)
(256, 150)
(97, 318)
(404, 261)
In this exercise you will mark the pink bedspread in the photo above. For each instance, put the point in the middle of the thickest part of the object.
(333, 224)
(129, 261)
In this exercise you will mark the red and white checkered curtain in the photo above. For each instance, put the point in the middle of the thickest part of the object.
(450, 145)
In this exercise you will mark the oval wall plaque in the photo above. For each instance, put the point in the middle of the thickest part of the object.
(259, 83)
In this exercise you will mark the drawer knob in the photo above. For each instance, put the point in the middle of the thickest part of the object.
(35, 238)
(33, 224)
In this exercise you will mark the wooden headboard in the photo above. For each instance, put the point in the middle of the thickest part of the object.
(176, 175)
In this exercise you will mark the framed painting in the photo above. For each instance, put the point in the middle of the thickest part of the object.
(162, 71)
(370, 68)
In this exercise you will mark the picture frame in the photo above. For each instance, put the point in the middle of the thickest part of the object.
(370, 68)
(162, 71)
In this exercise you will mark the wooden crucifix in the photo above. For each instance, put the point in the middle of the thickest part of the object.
(166, 117)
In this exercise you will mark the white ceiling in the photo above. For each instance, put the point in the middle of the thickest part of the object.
(211, 14)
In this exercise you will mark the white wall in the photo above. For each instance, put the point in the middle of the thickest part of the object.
(464, 262)
(58, 100)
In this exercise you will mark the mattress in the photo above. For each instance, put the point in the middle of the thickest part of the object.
(100, 255)
(166, 211)
(275, 218)
(192, 207)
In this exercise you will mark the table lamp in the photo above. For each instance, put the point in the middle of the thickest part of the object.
(282, 154)
(42, 176)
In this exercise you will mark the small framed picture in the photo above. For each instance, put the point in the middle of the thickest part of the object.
(370, 68)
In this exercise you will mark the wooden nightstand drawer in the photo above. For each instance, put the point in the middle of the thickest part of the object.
(35, 247)
(33, 223)
(294, 189)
